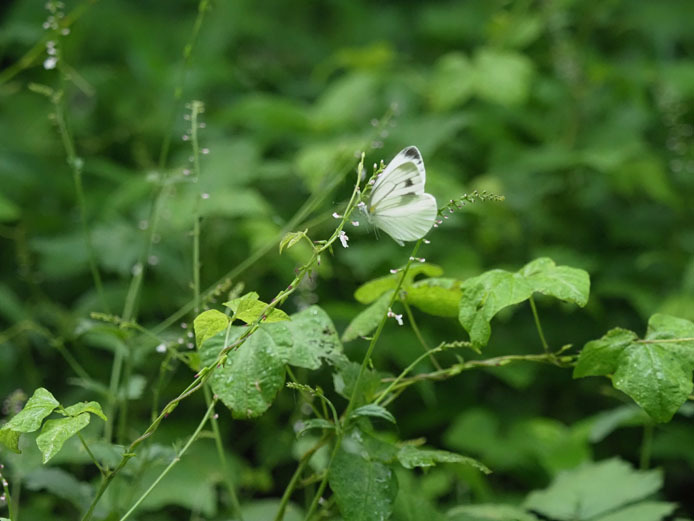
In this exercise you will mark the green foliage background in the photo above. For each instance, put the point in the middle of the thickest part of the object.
(579, 112)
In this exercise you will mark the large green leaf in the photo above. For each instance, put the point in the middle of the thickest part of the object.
(364, 489)
(372, 290)
(593, 490)
(56, 432)
(310, 336)
(252, 375)
(484, 296)
(487, 294)
(656, 371)
(563, 282)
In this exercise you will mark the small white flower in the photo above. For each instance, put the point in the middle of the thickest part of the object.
(161, 348)
(362, 206)
(343, 239)
(394, 270)
(50, 63)
(398, 318)
(355, 223)
(337, 215)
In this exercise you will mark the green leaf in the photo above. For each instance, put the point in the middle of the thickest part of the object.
(502, 76)
(562, 282)
(411, 457)
(57, 432)
(315, 423)
(373, 410)
(645, 511)
(308, 338)
(366, 321)
(10, 439)
(346, 376)
(41, 404)
(484, 296)
(439, 297)
(487, 294)
(601, 357)
(249, 309)
(364, 489)
(452, 82)
(291, 239)
(207, 324)
(655, 372)
(491, 512)
(61, 484)
(370, 291)
(593, 490)
(79, 408)
(252, 374)
(9, 211)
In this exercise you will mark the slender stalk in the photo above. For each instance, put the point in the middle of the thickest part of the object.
(28, 59)
(305, 458)
(171, 465)
(76, 164)
(357, 387)
(226, 471)
(8, 496)
(91, 454)
(374, 339)
(418, 334)
(196, 109)
(545, 346)
(404, 373)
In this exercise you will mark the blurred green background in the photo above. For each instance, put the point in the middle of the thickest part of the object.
(580, 113)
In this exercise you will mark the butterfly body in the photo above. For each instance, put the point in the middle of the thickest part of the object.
(398, 204)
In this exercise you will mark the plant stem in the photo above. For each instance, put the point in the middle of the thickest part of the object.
(32, 54)
(545, 346)
(178, 457)
(196, 109)
(418, 334)
(91, 454)
(8, 496)
(305, 458)
(404, 373)
(226, 471)
(76, 164)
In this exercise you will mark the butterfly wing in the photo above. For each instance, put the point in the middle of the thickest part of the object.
(404, 175)
(398, 204)
(409, 220)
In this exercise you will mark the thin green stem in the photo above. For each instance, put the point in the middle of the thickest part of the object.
(404, 373)
(76, 164)
(418, 334)
(536, 317)
(91, 454)
(324, 481)
(226, 471)
(305, 458)
(28, 59)
(376, 336)
(196, 109)
(171, 465)
(8, 496)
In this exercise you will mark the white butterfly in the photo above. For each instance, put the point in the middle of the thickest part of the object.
(398, 204)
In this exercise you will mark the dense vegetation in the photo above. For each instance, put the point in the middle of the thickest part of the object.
(155, 155)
